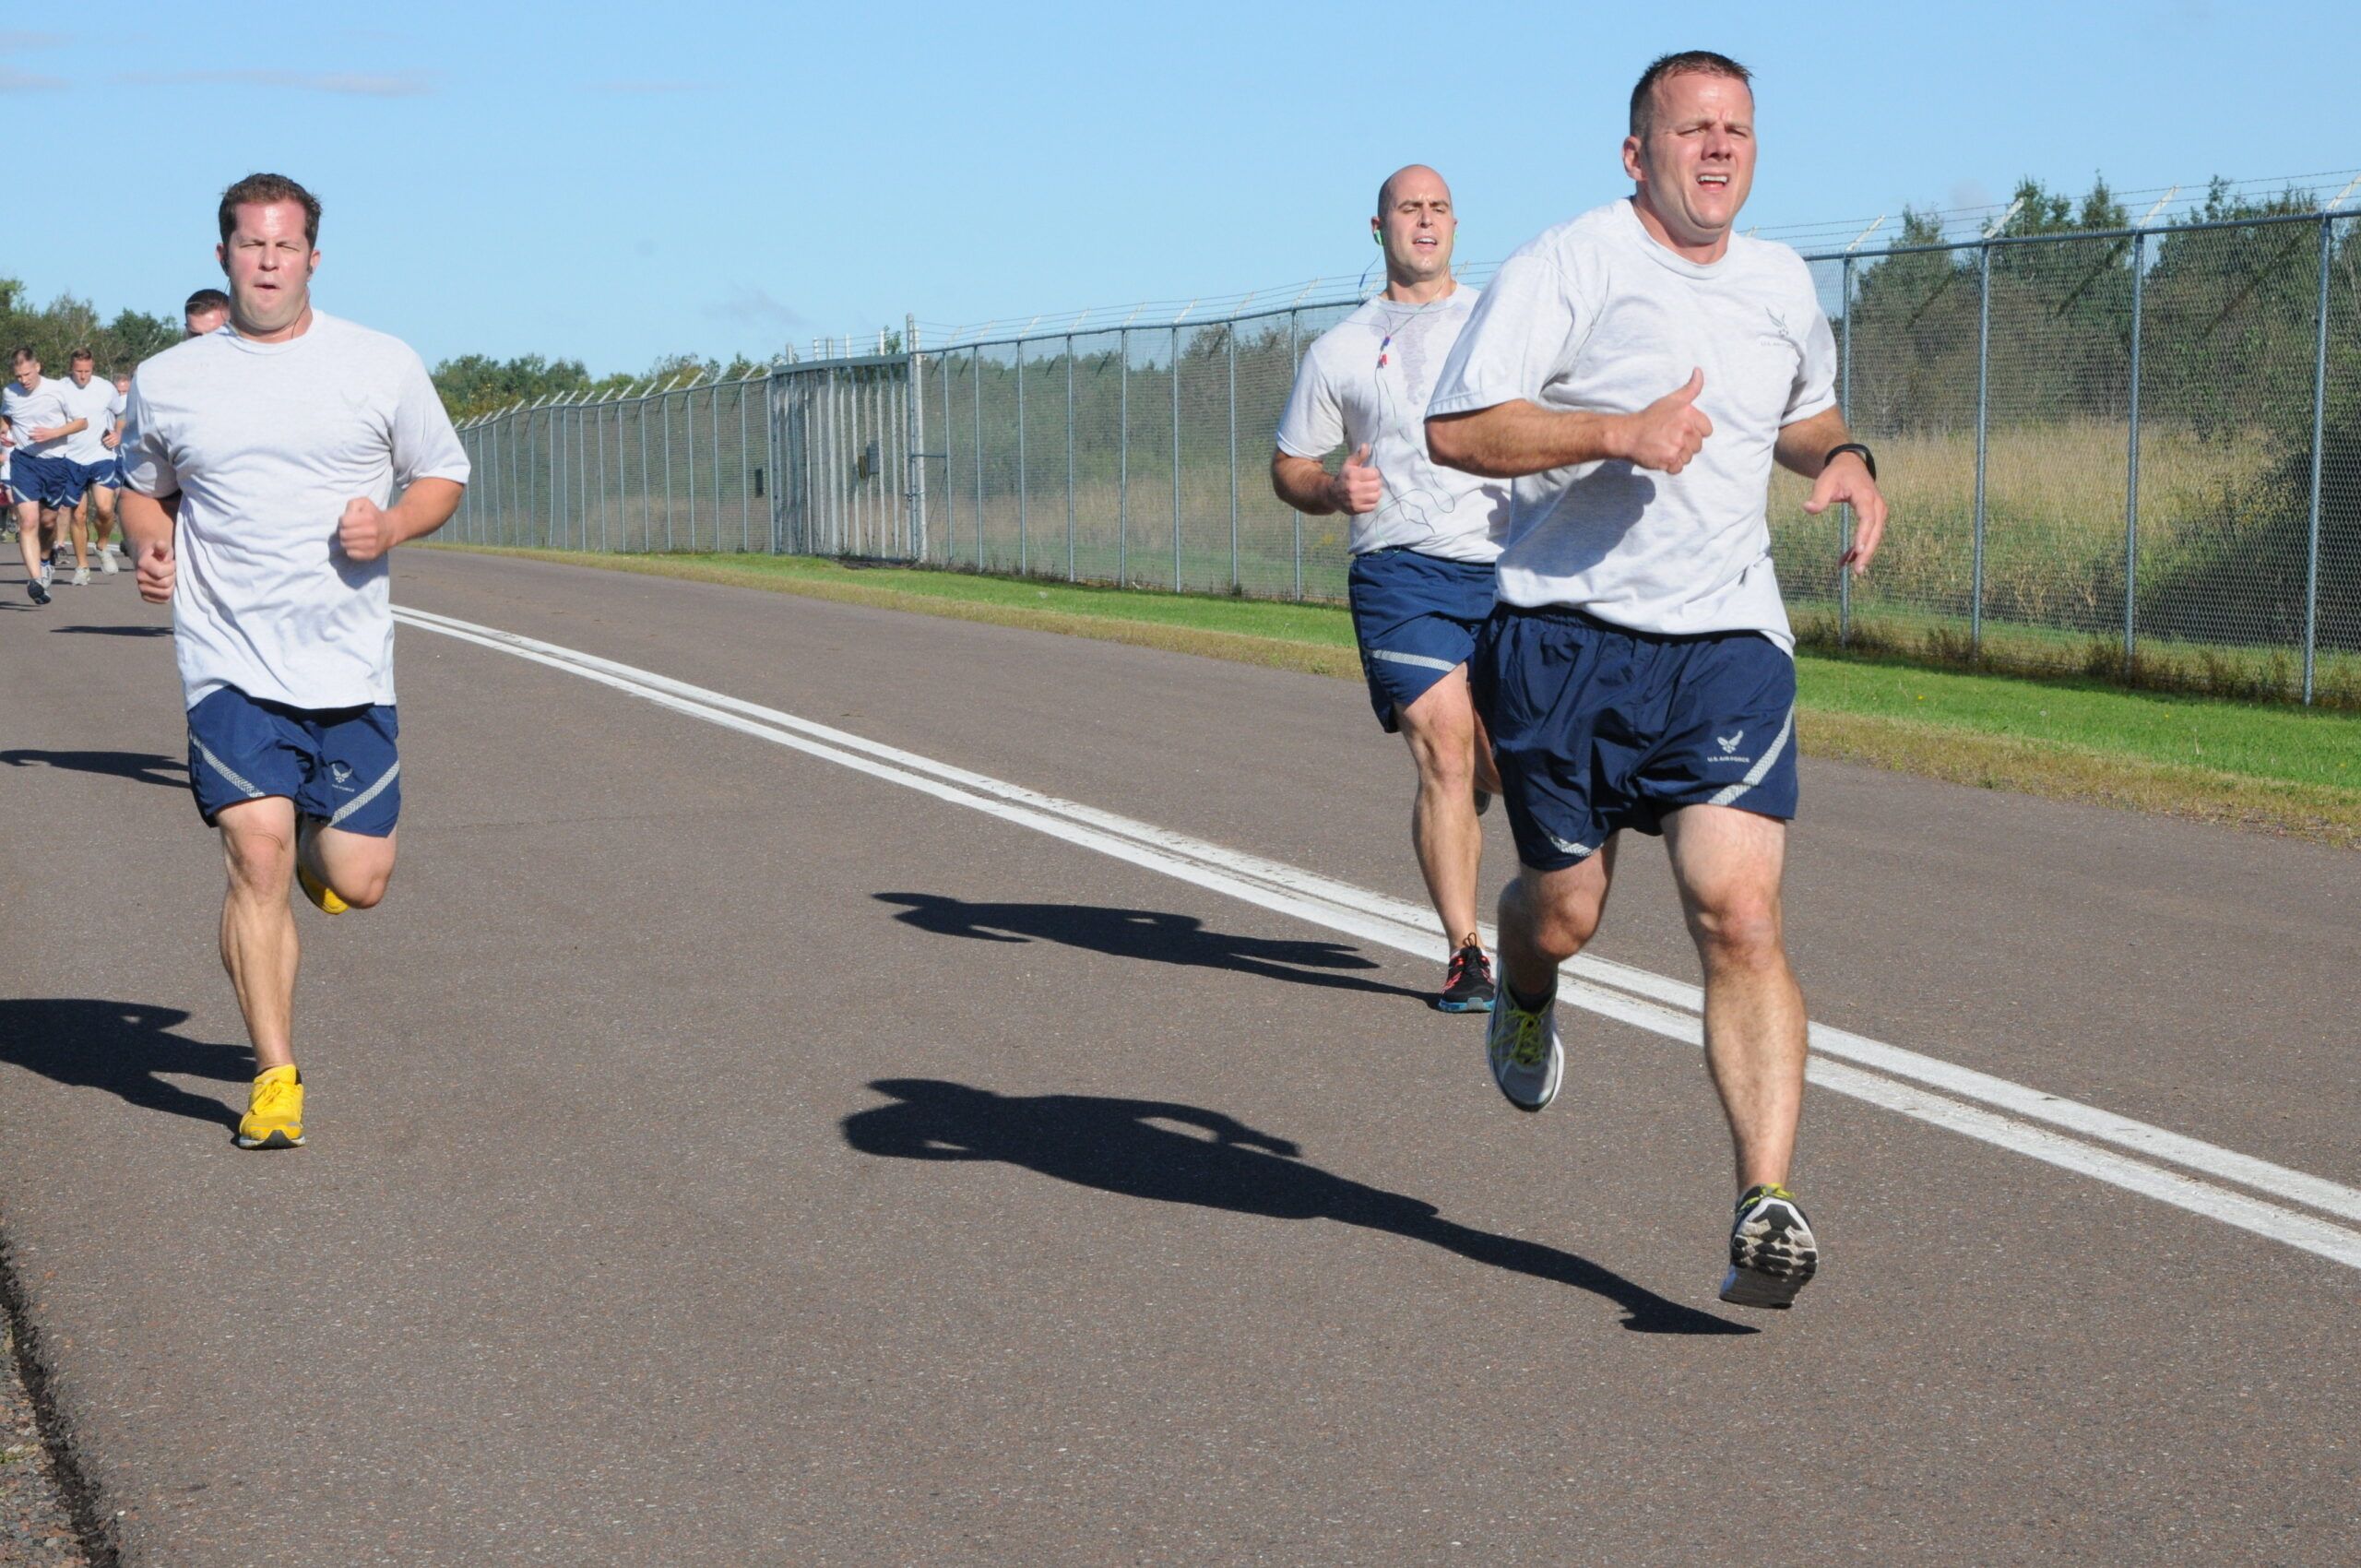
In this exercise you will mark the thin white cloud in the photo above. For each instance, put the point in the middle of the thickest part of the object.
(360, 84)
(26, 81)
(750, 306)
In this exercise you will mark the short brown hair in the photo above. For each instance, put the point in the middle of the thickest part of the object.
(21, 353)
(1702, 62)
(80, 355)
(266, 190)
(206, 299)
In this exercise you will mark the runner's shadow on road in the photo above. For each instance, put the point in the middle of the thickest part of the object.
(145, 767)
(117, 631)
(120, 1047)
(1174, 1153)
(1153, 935)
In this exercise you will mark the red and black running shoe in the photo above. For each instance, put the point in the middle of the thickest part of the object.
(1467, 983)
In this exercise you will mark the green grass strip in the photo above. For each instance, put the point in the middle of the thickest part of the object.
(2276, 768)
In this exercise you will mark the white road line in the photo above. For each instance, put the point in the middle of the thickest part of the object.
(1631, 995)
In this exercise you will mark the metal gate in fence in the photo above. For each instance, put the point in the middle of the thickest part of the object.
(849, 436)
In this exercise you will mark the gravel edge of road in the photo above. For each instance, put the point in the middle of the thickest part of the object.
(50, 1511)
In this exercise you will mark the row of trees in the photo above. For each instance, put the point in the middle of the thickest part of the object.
(65, 324)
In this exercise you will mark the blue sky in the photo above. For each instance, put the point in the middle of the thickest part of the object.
(611, 182)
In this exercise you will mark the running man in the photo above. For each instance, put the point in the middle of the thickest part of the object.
(117, 409)
(45, 483)
(259, 462)
(90, 400)
(1423, 542)
(1636, 372)
(205, 312)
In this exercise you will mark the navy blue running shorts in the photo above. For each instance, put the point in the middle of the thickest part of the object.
(1416, 618)
(104, 471)
(1597, 729)
(336, 764)
(56, 483)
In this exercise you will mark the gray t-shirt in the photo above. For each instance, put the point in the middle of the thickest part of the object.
(1367, 380)
(265, 444)
(1595, 315)
(43, 408)
(92, 403)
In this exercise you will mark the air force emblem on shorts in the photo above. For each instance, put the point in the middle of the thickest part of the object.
(342, 775)
(1729, 744)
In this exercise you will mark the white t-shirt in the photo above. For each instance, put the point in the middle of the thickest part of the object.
(1595, 315)
(41, 409)
(94, 403)
(265, 444)
(116, 406)
(1367, 380)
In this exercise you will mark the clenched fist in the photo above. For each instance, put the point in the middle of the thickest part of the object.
(156, 571)
(1668, 431)
(365, 531)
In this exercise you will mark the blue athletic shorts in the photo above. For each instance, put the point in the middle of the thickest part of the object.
(52, 482)
(337, 764)
(1416, 617)
(1597, 729)
(103, 472)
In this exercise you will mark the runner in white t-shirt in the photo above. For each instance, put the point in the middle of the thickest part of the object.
(44, 483)
(1423, 540)
(117, 406)
(1637, 371)
(259, 462)
(92, 400)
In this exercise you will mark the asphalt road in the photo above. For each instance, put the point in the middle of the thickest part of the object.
(720, 1154)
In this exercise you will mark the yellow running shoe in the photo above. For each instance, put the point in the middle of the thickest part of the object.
(274, 1117)
(307, 829)
(319, 892)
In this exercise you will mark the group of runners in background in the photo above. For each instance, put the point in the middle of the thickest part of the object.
(61, 454)
(1561, 584)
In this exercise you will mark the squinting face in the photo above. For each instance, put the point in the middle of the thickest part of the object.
(27, 374)
(1696, 164)
(1418, 225)
(269, 262)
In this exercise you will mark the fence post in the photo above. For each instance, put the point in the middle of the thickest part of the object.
(1070, 578)
(714, 422)
(774, 492)
(1233, 457)
(1123, 462)
(2319, 441)
(915, 394)
(975, 358)
(1176, 457)
(1983, 438)
(1023, 554)
(1296, 517)
(2131, 471)
(1844, 576)
(647, 485)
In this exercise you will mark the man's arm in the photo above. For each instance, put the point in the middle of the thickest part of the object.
(1803, 449)
(56, 431)
(367, 530)
(147, 524)
(1307, 487)
(1514, 439)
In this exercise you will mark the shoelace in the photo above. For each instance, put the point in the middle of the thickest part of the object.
(273, 1099)
(1527, 1041)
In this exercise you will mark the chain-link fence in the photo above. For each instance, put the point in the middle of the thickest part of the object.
(2134, 454)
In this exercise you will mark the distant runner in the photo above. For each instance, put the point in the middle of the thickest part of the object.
(1423, 542)
(259, 462)
(46, 483)
(204, 312)
(1636, 372)
(90, 400)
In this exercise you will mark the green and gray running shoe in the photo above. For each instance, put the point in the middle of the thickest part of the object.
(1772, 1252)
(1528, 1062)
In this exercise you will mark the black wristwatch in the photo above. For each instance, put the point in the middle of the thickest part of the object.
(1869, 458)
